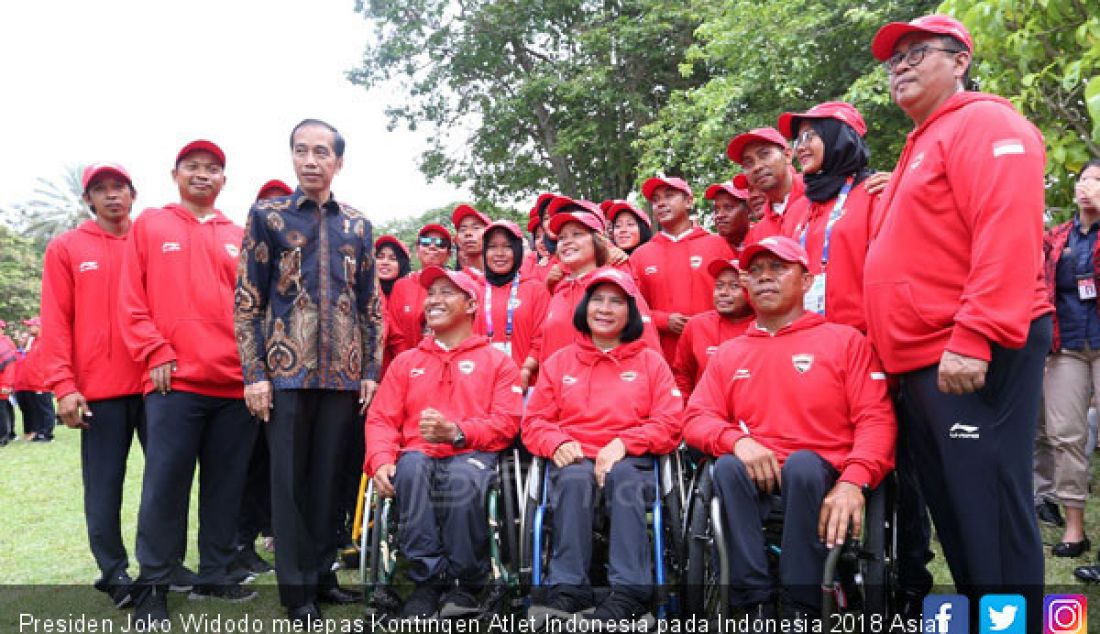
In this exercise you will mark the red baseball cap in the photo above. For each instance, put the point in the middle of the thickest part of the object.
(437, 228)
(201, 145)
(275, 184)
(95, 169)
(608, 275)
(388, 239)
(462, 211)
(650, 186)
(759, 135)
(592, 221)
(839, 110)
(458, 278)
(507, 225)
(717, 266)
(616, 207)
(781, 247)
(740, 193)
(741, 181)
(882, 46)
(562, 203)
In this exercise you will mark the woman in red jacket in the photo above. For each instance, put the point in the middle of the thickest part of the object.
(391, 262)
(602, 407)
(514, 306)
(630, 227)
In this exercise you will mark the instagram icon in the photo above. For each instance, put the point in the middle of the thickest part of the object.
(1065, 614)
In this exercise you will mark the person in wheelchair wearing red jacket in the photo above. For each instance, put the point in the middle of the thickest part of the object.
(796, 408)
(601, 409)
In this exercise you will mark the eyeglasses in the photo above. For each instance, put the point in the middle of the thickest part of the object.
(439, 243)
(914, 56)
(802, 139)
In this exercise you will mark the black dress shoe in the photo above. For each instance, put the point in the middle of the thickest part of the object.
(1088, 574)
(1049, 513)
(338, 596)
(1071, 549)
(304, 615)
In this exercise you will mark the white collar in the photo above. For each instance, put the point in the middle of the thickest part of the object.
(681, 236)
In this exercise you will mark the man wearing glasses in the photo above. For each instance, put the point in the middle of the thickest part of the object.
(406, 303)
(956, 304)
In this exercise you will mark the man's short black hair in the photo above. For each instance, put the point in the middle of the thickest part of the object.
(634, 324)
(955, 44)
(1093, 163)
(337, 138)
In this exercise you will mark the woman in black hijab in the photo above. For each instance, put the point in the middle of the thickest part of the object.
(832, 219)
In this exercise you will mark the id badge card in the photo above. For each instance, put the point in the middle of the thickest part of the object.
(503, 346)
(814, 300)
(1086, 287)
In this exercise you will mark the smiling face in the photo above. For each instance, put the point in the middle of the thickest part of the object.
(447, 306)
(436, 252)
(729, 295)
(386, 263)
(775, 285)
(766, 167)
(608, 312)
(671, 207)
(809, 149)
(498, 253)
(110, 197)
(576, 248)
(199, 177)
(919, 89)
(625, 231)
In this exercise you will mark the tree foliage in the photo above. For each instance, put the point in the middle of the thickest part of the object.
(20, 276)
(765, 57)
(1043, 55)
(527, 95)
(55, 207)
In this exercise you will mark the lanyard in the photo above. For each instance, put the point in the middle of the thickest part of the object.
(836, 214)
(510, 309)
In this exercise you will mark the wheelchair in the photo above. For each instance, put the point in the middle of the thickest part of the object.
(859, 577)
(666, 530)
(377, 529)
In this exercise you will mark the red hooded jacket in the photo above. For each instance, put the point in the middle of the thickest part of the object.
(672, 275)
(557, 329)
(176, 299)
(773, 224)
(406, 313)
(532, 302)
(80, 292)
(813, 385)
(847, 251)
(28, 369)
(9, 358)
(593, 397)
(702, 336)
(956, 255)
(474, 386)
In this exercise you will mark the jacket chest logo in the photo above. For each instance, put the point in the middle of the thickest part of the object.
(232, 250)
(742, 374)
(514, 304)
(415, 372)
(466, 366)
(917, 160)
(711, 350)
(90, 265)
(629, 376)
(568, 380)
(650, 270)
(169, 247)
(696, 261)
(802, 362)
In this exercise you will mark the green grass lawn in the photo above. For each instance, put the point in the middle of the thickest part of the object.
(47, 569)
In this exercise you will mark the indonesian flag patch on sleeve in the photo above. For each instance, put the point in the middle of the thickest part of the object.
(1007, 146)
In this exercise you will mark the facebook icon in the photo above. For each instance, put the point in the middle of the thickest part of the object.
(946, 614)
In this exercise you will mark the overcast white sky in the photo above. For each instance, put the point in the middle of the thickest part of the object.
(131, 81)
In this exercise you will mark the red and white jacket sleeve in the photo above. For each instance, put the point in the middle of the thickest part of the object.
(658, 433)
(386, 418)
(496, 430)
(996, 172)
(708, 421)
(57, 308)
(146, 343)
(872, 416)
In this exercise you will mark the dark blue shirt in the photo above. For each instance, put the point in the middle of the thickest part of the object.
(1078, 322)
(307, 314)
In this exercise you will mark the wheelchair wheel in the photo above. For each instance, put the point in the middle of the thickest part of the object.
(532, 498)
(705, 593)
(862, 574)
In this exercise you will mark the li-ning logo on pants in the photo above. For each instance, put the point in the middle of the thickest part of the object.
(959, 430)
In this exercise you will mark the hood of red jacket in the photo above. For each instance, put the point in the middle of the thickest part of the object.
(590, 355)
(956, 101)
(808, 320)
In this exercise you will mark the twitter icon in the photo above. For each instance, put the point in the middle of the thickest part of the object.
(1003, 614)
